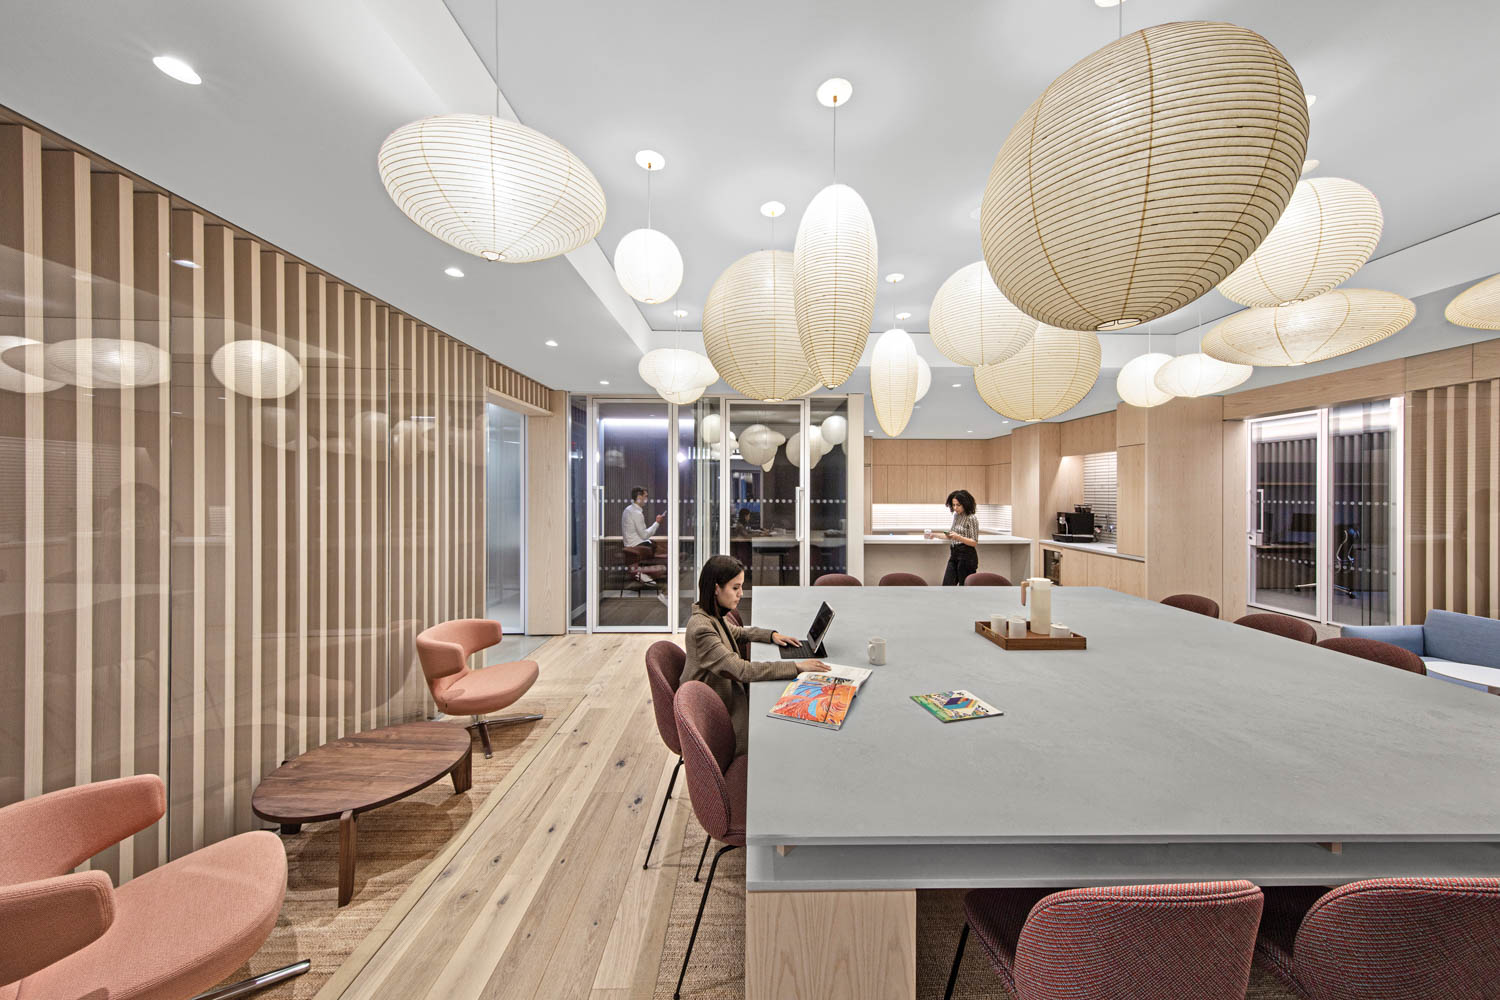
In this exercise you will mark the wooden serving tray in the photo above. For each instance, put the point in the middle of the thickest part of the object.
(1033, 640)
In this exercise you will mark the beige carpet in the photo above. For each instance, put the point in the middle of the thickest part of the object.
(717, 971)
(396, 842)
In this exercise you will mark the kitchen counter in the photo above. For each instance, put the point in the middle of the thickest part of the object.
(1102, 548)
(928, 558)
(907, 538)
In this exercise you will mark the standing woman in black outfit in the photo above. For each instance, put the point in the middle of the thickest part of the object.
(963, 552)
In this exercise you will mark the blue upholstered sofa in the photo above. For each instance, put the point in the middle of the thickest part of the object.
(1463, 649)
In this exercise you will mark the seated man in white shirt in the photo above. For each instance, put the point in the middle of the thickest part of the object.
(636, 536)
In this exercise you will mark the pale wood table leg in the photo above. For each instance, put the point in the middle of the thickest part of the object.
(831, 945)
(347, 844)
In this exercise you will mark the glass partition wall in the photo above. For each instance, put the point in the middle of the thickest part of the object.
(505, 517)
(1324, 511)
(765, 482)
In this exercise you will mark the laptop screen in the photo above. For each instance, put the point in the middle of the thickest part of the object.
(820, 625)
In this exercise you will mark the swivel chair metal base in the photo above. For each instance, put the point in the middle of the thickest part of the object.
(245, 987)
(483, 725)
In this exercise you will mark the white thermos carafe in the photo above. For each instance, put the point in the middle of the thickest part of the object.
(1041, 603)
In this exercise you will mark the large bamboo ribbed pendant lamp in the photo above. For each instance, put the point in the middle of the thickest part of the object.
(490, 186)
(1328, 231)
(1477, 306)
(750, 328)
(1045, 378)
(1144, 175)
(973, 323)
(893, 380)
(1334, 323)
(834, 269)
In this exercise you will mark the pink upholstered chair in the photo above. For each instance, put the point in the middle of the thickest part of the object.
(986, 580)
(664, 663)
(445, 650)
(1377, 652)
(1385, 938)
(168, 934)
(717, 780)
(902, 580)
(837, 580)
(1146, 942)
(1289, 628)
(1206, 606)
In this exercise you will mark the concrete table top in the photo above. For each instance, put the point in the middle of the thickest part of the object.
(1171, 728)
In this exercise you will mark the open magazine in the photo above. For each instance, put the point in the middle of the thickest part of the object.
(820, 698)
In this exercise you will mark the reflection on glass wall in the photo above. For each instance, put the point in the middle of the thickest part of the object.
(1284, 509)
(828, 487)
(505, 517)
(1362, 496)
(765, 515)
(634, 455)
(578, 505)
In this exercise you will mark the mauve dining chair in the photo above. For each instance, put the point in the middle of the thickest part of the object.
(445, 650)
(1385, 938)
(664, 663)
(1146, 942)
(837, 580)
(986, 580)
(717, 781)
(1289, 628)
(902, 580)
(1198, 605)
(1377, 652)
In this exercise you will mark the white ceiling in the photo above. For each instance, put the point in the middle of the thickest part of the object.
(282, 135)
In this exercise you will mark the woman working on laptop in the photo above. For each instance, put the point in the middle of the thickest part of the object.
(713, 645)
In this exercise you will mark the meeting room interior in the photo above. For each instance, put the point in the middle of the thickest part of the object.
(440, 440)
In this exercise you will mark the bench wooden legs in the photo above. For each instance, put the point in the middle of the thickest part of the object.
(463, 774)
(347, 845)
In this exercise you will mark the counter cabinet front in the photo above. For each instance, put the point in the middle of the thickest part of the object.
(911, 553)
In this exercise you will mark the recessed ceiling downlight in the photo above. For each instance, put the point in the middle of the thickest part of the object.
(453, 272)
(177, 70)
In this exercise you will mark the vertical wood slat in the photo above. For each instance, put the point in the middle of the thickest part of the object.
(217, 542)
(1455, 489)
(1476, 463)
(298, 686)
(273, 594)
(247, 538)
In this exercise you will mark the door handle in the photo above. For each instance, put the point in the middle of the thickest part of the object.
(801, 524)
(599, 521)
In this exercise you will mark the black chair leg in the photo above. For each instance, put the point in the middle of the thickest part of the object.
(484, 739)
(958, 957)
(665, 799)
(701, 904)
(698, 876)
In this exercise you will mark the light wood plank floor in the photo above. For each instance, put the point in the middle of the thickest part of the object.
(542, 893)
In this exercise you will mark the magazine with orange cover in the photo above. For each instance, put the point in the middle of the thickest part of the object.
(815, 703)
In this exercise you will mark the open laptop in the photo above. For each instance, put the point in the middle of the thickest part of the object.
(812, 646)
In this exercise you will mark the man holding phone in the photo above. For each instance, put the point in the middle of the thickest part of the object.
(635, 535)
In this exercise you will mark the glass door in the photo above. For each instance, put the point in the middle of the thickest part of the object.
(505, 517)
(1283, 508)
(828, 486)
(765, 490)
(631, 493)
(1364, 547)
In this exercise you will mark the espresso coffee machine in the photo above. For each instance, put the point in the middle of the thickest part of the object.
(1075, 526)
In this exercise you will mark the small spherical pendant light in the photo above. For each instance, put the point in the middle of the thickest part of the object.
(1334, 323)
(972, 323)
(491, 187)
(1477, 306)
(1045, 378)
(834, 280)
(256, 369)
(893, 380)
(711, 429)
(834, 429)
(1195, 375)
(750, 328)
(1144, 175)
(1136, 383)
(1328, 231)
(647, 262)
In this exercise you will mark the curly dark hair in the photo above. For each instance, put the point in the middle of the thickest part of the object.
(964, 498)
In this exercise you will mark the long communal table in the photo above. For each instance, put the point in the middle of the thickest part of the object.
(1175, 748)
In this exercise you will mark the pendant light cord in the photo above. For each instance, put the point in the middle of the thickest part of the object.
(497, 58)
(648, 196)
(835, 140)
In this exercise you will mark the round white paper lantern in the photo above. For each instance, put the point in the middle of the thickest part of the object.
(834, 429)
(1136, 383)
(106, 363)
(893, 380)
(1144, 175)
(1328, 231)
(1195, 375)
(1477, 306)
(972, 323)
(816, 449)
(491, 187)
(671, 370)
(924, 377)
(834, 280)
(648, 265)
(750, 328)
(758, 444)
(256, 369)
(685, 396)
(1046, 377)
(768, 465)
(711, 428)
(1334, 323)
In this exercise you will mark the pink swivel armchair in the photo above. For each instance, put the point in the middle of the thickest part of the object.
(166, 935)
(445, 650)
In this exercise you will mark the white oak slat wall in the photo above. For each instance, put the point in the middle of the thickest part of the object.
(1453, 499)
(196, 582)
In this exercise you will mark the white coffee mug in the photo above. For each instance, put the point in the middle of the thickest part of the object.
(1060, 631)
(877, 652)
(927, 533)
(998, 623)
(1017, 627)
